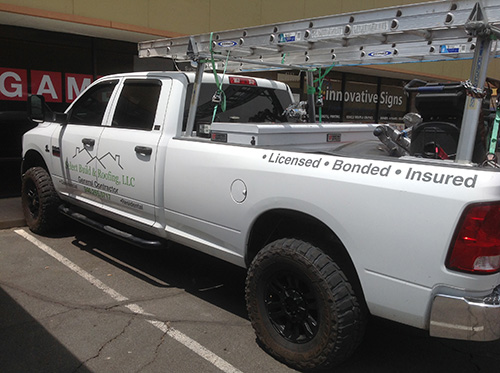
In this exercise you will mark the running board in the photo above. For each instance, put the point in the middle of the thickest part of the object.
(112, 231)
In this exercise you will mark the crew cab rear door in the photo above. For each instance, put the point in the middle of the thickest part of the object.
(127, 153)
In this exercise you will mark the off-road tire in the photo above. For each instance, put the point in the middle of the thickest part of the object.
(40, 201)
(302, 307)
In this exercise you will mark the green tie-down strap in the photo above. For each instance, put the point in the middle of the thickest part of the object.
(220, 91)
(494, 132)
(311, 90)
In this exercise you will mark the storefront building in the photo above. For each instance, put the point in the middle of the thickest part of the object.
(57, 65)
(58, 47)
(351, 97)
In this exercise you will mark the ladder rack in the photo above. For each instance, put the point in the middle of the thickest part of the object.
(433, 31)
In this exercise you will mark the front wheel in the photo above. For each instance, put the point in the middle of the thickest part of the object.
(301, 305)
(40, 201)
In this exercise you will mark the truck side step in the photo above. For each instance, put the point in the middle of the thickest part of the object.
(112, 231)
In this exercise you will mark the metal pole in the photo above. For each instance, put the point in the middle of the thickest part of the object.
(477, 24)
(310, 97)
(473, 105)
(195, 98)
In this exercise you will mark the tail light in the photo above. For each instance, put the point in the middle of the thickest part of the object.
(476, 244)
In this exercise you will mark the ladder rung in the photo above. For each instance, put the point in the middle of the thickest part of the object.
(397, 34)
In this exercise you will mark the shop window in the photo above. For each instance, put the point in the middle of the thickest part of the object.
(360, 102)
(332, 100)
(393, 103)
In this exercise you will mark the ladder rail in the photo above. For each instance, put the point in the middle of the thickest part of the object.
(433, 31)
(360, 38)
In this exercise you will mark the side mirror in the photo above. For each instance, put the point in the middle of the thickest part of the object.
(37, 111)
(36, 108)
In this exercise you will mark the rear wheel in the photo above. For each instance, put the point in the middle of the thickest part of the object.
(40, 201)
(301, 305)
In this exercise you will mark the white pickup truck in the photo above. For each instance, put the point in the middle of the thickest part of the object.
(330, 229)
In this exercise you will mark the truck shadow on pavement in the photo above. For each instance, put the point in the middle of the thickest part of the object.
(199, 274)
(387, 346)
(393, 347)
(26, 346)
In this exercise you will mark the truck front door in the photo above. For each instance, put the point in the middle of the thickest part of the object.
(75, 143)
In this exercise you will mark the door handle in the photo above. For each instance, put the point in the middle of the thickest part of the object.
(88, 142)
(144, 150)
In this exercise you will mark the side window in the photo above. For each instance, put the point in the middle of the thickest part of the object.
(136, 107)
(90, 107)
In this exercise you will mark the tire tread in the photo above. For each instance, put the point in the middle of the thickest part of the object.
(343, 303)
(48, 218)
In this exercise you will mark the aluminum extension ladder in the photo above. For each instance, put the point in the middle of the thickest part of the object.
(433, 31)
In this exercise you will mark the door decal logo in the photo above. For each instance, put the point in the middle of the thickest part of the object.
(115, 158)
(99, 181)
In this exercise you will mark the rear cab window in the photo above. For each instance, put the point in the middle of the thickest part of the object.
(244, 104)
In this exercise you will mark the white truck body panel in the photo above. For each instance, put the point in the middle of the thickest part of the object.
(158, 153)
(364, 210)
(185, 188)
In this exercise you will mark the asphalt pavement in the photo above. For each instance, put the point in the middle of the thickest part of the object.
(82, 302)
(11, 213)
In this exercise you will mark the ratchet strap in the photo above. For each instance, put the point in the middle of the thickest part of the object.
(319, 89)
(219, 97)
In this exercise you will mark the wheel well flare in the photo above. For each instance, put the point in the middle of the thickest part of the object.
(32, 158)
(283, 223)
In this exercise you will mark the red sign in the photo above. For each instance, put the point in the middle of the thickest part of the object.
(48, 84)
(75, 84)
(13, 84)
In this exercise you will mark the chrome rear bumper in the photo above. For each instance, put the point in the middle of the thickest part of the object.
(473, 319)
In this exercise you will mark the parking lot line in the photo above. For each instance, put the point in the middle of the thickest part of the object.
(163, 326)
